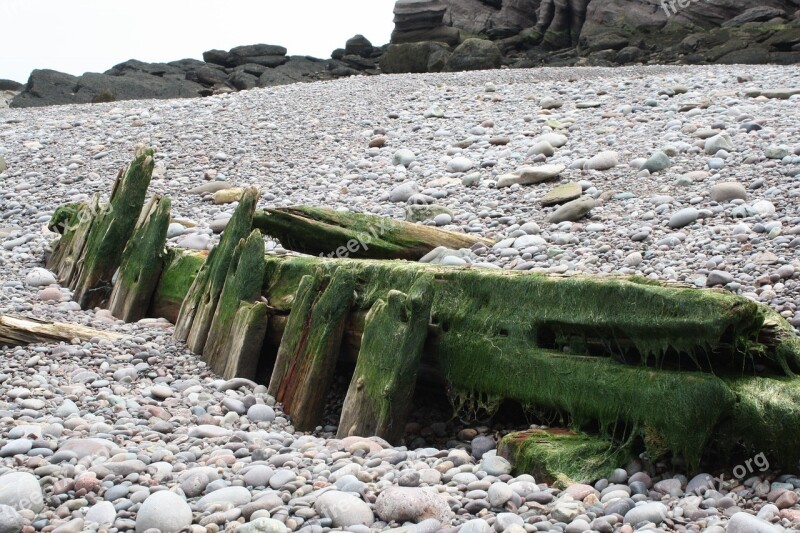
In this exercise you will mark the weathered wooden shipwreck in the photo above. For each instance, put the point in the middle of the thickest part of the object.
(638, 364)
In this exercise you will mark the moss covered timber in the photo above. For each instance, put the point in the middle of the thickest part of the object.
(142, 261)
(177, 276)
(113, 225)
(382, 387)
(627, 356)
(199, 305)
(330, 233)
(73, 222)
(310, 345)
(243, 283)
(561, 457)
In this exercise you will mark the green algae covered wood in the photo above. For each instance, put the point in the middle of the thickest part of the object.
(73, 222)
(199, 305)
(331, 233)
(242, 350)
(109, 233)
(180, 270)
(310, 345)
(142, 262)
(382, 387)
(561, 457)
(242, 283)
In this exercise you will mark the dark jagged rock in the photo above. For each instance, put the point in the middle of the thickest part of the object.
(415, 58)
(46, 87)
(134, 87)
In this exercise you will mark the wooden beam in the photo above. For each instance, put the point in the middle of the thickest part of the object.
(310, 346)
(20, 331)
(382, 388)
(334, 234)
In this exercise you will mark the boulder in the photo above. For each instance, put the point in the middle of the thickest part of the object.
(475, 54)
(296, 69)
(494, 18)
(422, 20)
(415, 58)
(358, 46)
(134, 86)
(21, 490)
(10, 85)
(46, 87)
(267, 55)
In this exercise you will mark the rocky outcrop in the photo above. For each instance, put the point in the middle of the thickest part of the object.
(415, 58)
(607, 32)
(422, 20)
(475, 54)
(238, 69)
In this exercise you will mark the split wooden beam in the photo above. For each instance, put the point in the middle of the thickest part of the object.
(110, 230)
(142, 262)
(309, 350)
(200, 304)
(21, 331)
(381, 391)
(335, 234)
(242, 286)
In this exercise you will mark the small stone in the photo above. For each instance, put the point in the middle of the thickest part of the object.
(404, 191)
(227, 196)
(344, 509)
(562, 194)
(657, 162)
(460, 164)
(654, 512)
(742, 522)
(495, 465)
(404, 157)
(603, 161)
(40, 277)
(10, 520)
(721, 141)
(401, 504)
(718, 277)
(572, 211)
(633, 260)
(684, 217)
(727, 191)
(260, 413)
(530, 175)
(102, 513)
(21, 490)
(164, 511)
(263, 525)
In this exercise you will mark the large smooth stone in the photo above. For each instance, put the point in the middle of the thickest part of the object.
(165, 511)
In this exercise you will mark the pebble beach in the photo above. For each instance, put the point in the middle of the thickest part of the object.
(673, 173)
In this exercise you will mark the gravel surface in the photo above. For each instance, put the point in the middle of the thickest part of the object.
(672, 173)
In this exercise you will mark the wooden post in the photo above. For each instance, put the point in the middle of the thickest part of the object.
(142, 262)
(197, 310)
(382, 388)
(243, 283)
(310, 346)
(246, 338)
(74, 222)
(111, 230)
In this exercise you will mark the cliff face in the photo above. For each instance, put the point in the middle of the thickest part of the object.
(611, 31)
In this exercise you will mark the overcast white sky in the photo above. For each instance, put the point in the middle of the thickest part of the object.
(77, 36)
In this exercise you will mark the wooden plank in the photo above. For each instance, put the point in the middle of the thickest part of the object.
(382, 388)
(142, 262)
(330, 233)
(20, 331)
(243, 348)
(243, 283)
(197, 310)
(110, 231)
(310, 346)
(74, 222)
